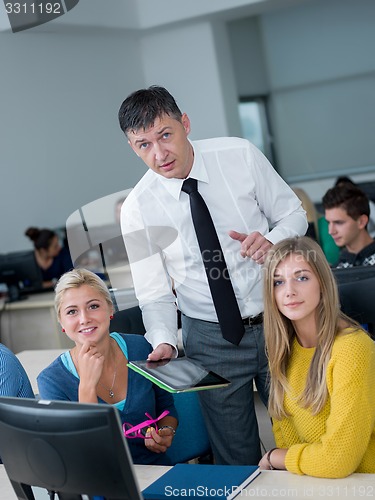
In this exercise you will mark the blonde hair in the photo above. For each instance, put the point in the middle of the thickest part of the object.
(309, 207)
(75, 279)
(279, 332)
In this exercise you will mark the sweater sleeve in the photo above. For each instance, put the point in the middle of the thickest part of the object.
(152, 283)
(56, 383)
(351, 421)
(279, 432)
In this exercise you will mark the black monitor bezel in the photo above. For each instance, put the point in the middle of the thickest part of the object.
(355, 286)
(350, 274)
(66, 447)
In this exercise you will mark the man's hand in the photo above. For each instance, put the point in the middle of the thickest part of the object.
(162, 351)
(254, 245)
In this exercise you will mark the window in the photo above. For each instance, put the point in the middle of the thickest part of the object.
(255, 125)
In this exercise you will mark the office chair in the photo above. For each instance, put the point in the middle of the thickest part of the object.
(191, 439)
(128, 321)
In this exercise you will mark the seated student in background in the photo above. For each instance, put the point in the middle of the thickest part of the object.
(52, 259)
(14, 381)
(371, 222)
(95, 370)
(322, 368)
(318, 227)
(347, 213)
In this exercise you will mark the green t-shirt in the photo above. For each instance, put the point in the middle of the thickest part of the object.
(330, 249)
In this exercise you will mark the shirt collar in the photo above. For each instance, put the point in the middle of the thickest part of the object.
(198, 171)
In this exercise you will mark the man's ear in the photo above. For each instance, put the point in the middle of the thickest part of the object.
(185, 123)
(362, 221)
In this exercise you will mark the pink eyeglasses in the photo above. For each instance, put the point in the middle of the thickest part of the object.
(139, 430)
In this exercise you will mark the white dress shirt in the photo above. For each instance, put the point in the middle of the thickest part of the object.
(243, 193)
(371, 220)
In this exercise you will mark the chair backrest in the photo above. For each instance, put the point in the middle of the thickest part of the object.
(128, 321)
(191, 439)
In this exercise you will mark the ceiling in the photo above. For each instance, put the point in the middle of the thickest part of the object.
(88, 15)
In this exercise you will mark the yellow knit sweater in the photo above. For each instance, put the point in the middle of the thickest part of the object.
(340, 439)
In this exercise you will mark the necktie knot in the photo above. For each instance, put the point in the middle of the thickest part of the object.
(190, 185)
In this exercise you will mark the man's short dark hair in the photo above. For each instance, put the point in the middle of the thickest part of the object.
(348, 197)
(141, 108)
(344, 179)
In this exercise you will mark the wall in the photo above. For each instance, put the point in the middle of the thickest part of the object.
(323, 86)
(249, 61)
(188, 61)
(61, 145)
(320, 74)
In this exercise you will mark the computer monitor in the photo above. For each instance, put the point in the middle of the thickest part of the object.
(355, 273)
(21, 273)
(76, 450)
(356, 287)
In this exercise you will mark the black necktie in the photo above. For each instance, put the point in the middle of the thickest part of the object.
(222, 292)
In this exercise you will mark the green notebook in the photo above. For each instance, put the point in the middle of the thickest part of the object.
(178, 375)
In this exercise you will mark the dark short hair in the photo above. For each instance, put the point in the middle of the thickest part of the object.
(344, 179)
(348, 197)
(42, 238)
(141, 108)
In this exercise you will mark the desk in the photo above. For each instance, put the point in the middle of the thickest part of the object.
(281, 485)
(278, 485)
(32, 324)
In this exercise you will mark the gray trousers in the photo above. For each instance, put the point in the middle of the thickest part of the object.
(230, 412)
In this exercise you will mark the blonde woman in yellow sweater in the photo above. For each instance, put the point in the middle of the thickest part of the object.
(322, 368)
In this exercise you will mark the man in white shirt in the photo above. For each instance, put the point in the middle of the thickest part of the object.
(245, 197)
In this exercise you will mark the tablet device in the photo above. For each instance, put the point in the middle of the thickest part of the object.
(178, 374)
